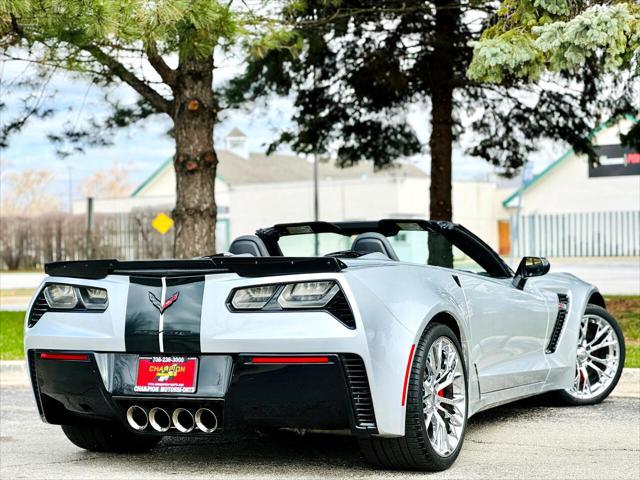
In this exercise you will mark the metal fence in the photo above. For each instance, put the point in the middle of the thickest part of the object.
(590, 234)
(30, 242)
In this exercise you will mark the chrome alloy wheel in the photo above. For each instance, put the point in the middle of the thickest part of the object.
(444, 396)
(598, 358)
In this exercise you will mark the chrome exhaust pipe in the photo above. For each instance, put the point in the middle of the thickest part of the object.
(159, 419)
(137, 417)
(206, 420)
(183, 420)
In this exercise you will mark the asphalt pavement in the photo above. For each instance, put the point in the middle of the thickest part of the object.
(528, 439)
(612, 276)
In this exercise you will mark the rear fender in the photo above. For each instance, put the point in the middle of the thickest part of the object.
(395, 315)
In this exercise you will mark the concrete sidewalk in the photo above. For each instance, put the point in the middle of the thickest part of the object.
(13, 373)
(15, 303)
(612, 276)
(15, 280)
(19, 282)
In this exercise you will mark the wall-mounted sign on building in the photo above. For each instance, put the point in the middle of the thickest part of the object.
(615, 160)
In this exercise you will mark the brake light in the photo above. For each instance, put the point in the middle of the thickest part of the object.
(75, 357)
(273, 360)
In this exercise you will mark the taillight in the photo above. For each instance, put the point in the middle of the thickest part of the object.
(287, 359)
(74, 357)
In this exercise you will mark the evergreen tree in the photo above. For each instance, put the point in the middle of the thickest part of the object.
(358, 66)
(110, 42)
(533, 38)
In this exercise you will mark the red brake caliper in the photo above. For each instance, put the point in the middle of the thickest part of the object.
(441, 393)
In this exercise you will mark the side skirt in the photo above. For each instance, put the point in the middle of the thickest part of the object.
(508, 395)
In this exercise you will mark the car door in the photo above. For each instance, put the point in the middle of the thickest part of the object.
(508, 332)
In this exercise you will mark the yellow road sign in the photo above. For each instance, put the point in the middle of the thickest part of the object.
(162, 223)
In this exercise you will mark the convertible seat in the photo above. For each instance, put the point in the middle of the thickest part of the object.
(249, 244)
(371, 242)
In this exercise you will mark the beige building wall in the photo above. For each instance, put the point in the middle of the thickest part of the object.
(159, 192)
(567, 187)
(260, 205)
(164, 184)
(124, 204)
(253, 206)
(477, 207)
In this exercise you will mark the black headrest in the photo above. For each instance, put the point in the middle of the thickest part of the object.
(370, 242)
(250, 244)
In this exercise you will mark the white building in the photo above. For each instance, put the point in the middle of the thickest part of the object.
(575, 209)
(255, 190)
(569, 209)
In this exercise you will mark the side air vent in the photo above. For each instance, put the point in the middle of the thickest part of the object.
(40, 307)
(31, 360)
(563, 309)
(339, 308)
(362, 402)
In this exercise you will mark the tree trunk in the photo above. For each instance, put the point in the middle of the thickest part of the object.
(195, 160)
(440, 205)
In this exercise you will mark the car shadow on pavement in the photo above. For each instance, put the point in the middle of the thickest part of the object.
(259, 455)
(287, 452)
(512, 411)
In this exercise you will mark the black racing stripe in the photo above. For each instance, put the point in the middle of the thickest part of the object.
(142, 318)
(181, 331)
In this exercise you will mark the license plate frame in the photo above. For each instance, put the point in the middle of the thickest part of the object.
(174, 374)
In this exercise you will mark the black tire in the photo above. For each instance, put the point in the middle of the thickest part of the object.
(565, 397)
(109, 438)
(414, 451)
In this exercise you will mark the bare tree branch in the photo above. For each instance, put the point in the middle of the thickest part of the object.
(167, 74)
(16, 26)
(156, 100)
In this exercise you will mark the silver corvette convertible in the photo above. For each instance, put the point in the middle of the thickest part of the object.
(396, 331)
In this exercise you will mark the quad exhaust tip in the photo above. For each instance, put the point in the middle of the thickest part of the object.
(206, 420)
(159, 419)
(183, 420)
(137, 417)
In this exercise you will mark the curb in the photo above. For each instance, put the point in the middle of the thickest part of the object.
(13, 373)
(629, 384)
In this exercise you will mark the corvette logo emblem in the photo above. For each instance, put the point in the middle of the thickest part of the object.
(155, 301)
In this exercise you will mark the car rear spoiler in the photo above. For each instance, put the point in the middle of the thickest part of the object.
(243, 266)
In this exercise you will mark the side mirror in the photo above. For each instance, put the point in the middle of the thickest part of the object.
(530, 267)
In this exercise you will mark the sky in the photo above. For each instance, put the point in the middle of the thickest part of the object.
(142, 148)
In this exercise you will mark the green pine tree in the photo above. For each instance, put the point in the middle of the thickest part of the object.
(112, 42)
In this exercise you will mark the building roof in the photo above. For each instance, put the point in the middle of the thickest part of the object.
(555, 163)
(235, 169)
(236, 133)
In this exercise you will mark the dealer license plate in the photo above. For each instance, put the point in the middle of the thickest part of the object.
(167, 374)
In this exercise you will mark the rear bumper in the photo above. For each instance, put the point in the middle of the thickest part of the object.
(333, 395)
